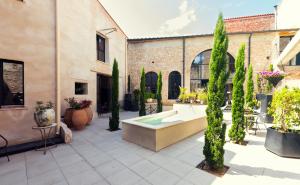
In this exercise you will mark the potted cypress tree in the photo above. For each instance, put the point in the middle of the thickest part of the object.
(283, 138)
(158, 93)
(250, 88)
(114, 119)
(215, 133)
(142, 108)
(237, 130)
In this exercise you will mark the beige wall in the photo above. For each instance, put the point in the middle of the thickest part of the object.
(288, 14)
(167, 55)
(79, 25)
(27, 34)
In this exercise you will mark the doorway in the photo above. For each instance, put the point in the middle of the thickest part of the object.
(103, 93)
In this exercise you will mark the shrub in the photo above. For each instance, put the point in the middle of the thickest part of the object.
(269, 85)
(215, 132)
(114, 119)
(158, 93)
(183, 96)
(149, 95)
(250, 88)
(285, 108)
(237, 131)
(142, 111)
(259, 83)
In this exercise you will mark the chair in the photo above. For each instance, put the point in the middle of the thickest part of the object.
(5, 146)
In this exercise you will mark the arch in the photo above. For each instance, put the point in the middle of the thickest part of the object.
(151, 80)
(200, 69)
(174, 84)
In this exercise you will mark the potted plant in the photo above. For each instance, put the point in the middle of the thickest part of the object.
(183, 96)
(283, 138)
(192, 97)
(79, 113)
(135, 101)
(44, 114)
(149, 97)
(201, 97)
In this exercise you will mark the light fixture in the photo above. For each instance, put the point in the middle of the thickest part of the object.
(109, 30)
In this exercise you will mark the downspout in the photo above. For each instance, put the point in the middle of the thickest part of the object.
(183, 62)
(57, 65)
(249, 49)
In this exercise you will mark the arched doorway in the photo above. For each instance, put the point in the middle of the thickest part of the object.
(151, 80)
(174, 83)
(200, 72)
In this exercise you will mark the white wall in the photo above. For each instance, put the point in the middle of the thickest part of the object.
(288, 15)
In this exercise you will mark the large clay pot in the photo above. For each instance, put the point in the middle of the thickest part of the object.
(44, 117)
(79, 119)
(68, 117)
(89, 114)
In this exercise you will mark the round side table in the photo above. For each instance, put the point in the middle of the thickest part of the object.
(45, 136)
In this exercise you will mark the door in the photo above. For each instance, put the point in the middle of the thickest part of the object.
(103, 93)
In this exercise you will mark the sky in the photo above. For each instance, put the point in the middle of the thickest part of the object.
(157, 18)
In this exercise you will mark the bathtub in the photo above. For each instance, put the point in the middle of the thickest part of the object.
(160, 130)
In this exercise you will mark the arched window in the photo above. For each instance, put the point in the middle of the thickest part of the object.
(174, 83)
(200, 69)
(151, 80)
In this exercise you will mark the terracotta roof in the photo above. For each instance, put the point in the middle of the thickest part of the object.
(262, 22)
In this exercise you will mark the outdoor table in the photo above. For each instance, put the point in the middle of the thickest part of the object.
(45, 136)
(151, 107)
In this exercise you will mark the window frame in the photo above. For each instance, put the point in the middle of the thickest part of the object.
(2, 81)
(98, 48)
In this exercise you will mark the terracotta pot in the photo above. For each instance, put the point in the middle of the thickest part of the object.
(90, 114)
(79, 119)
(68, 117)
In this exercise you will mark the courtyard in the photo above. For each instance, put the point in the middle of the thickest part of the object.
(97, 156)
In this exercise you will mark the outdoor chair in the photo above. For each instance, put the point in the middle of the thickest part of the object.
(4, 147)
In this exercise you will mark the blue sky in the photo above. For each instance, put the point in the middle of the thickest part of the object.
(151, 18)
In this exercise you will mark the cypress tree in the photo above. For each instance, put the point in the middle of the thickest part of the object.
(250, 88)
(237, 131)
(269, 84)
(158, 93)
(142, 111)
(215, 132)
(114, 119)
(128, 84)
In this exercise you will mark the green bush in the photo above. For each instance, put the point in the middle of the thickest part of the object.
(259, 83)
(285, 108)
(269, 85)
(237, 130)
(250, 88)
(158, 93)
(183, 96)
(149, 95)
(215, 132)
(114, 119)
(142, 111)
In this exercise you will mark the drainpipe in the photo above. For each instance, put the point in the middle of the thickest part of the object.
(183, 62)
(57, 65)
(249, 49)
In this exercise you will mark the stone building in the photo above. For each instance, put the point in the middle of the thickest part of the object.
(51, 50)
(188, 56)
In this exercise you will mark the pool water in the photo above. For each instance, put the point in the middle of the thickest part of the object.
(152, 121)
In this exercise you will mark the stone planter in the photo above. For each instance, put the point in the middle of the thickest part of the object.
(45, 117)
(283, 144)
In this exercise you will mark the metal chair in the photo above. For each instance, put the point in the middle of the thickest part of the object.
(5, 146)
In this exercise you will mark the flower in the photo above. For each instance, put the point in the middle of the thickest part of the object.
(273, 77)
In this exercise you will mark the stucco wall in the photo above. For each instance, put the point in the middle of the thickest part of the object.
(27, 34)
(79, 25)
(288, 14)
(167, 55)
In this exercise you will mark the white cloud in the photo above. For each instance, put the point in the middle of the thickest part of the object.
(186, 16)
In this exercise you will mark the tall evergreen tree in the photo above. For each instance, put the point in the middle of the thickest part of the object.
(158, 93)
(269, 84)
(142, 111)
(237, 131)
(250, 88)
(114, 120)
(215, 132)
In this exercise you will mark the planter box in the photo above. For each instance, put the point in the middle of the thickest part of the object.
(283, 144)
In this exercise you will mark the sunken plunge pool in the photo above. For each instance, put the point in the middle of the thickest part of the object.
(161, 130)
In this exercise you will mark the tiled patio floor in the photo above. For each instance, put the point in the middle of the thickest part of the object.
(99, 157)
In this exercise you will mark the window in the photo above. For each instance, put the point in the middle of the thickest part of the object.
(200, 70)
(174, 84)
(295, 61)
(11, 83)
(81, 88)
(151, 80)
(100, 48)
(284, 41)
